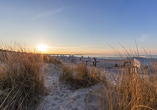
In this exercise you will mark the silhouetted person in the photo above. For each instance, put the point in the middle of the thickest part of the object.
(94, 63)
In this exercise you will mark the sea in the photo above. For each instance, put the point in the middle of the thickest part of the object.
(111, 56)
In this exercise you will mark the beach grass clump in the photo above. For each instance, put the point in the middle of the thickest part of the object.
(81, 76)
(67, 75)
(136, 91)
(21, 81)
(87, 77)
(51, 59)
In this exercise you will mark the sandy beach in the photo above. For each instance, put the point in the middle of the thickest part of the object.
(64, 97)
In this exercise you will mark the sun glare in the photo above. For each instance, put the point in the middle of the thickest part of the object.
(42, 48)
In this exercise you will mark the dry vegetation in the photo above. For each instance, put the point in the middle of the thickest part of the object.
(21, 81)
(136, 91)
(51, 59)
(81, 76)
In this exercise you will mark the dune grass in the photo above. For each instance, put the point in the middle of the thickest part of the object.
(81, 76)
(51, 59)
(21, 81)
(137, 90)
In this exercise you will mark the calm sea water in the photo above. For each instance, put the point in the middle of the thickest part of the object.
(114, 56)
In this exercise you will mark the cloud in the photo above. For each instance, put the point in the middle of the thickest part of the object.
(143, 37)
(48, 13)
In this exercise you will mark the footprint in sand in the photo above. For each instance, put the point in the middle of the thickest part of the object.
(75, 98)
(55, 99)
(61, 95)
(75, 108)
(61, 101)
(53, 104)
(67, 95)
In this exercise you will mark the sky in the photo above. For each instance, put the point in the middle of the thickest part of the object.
(81, 26)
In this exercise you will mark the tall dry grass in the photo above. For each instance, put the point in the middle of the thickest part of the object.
(21, 81)
(81, 76)
(51, 59)
(136, 91)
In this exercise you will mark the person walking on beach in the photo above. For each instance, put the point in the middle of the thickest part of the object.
(115, 65)
(94, 63)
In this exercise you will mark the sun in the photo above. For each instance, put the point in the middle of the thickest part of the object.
(42, 48)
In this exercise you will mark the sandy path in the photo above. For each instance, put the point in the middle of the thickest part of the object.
(64, 97)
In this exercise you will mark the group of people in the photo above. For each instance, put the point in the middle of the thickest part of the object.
(94, 61)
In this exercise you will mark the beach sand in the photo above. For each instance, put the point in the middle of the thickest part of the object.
(64, 97)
